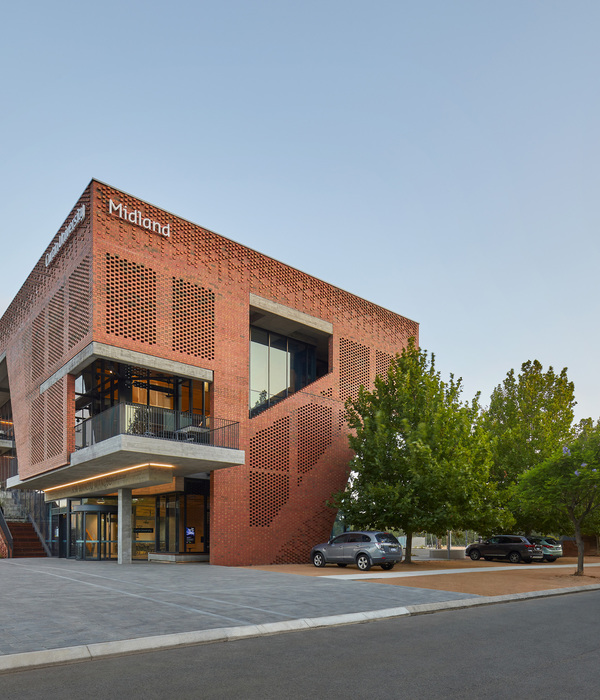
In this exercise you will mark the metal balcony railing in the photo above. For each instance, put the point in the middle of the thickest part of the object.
(161, 423)
(7, 431)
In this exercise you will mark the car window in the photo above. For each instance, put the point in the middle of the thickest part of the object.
(386, 537)
(366, 538)
(504, 540)
(340, 539)
(355, 538)
(550, 540)
(494, 540)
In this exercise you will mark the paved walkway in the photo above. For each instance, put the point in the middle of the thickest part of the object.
(56, 610)
(52, 603)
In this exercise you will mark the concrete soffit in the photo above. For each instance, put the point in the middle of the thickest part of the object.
(101, 351)
(136, 477)
(289, 317)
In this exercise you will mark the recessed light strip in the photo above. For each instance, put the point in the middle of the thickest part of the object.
(102, 476)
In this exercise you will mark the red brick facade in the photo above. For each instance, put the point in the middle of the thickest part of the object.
(185, 297)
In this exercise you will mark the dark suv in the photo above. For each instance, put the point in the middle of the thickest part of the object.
(515, 548)
(365, 549)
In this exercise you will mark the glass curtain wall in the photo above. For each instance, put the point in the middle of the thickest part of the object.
(279, 366)
(87, 528)
(104, 384)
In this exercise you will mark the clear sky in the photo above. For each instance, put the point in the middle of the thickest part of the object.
(438, 158)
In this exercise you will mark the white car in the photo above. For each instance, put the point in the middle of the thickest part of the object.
(551, 548)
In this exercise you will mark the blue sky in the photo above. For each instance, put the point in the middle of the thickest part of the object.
(438, 158)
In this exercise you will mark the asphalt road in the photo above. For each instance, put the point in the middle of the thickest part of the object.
(545, 648)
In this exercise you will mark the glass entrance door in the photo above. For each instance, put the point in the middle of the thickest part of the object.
(144, 526)
(108, 540)
(94, 532)
(167, 515)
(59, 534)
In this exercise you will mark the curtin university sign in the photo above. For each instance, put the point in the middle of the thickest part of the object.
(78, 217)
(135, 216)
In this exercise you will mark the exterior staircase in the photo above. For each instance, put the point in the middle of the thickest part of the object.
(26, 543)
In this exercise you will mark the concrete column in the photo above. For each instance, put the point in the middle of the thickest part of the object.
(124, 535)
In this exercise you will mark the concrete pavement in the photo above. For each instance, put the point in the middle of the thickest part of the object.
(59, 610)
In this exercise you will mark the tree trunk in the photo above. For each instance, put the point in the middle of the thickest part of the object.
(579, 540)
(408, 549)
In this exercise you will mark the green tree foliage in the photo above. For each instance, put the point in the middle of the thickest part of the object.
(421, 461)
(529, 417)
(564, 491)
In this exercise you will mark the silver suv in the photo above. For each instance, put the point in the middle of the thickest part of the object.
(365, 549)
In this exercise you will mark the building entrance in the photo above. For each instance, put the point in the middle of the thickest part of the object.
(94, 532)
(87, 528)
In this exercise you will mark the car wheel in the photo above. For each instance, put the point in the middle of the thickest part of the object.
(363, 562)
(514, 557)
(475, 554)
(319, 559)
(550, 559)
(342, 565)
(388, 566)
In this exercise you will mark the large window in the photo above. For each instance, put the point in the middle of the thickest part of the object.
(279, 366)
(86, 528)
(104, 384)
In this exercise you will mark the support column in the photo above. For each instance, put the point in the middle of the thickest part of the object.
(124, 534)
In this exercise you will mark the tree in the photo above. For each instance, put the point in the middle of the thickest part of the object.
(565, 489)
(421, 461)
(529, 417)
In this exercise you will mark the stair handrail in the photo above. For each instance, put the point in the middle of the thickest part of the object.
(39, 535)
(7, 535)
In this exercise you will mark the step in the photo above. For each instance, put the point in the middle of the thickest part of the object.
(25, 540)
(28, 551)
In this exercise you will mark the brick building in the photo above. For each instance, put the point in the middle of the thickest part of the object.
(168, 390)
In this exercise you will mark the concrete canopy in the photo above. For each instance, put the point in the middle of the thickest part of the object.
(124, 451)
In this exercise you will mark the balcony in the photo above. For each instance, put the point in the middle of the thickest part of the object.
(7, 436)
(135, 446)
(158, 423)
(7, 431)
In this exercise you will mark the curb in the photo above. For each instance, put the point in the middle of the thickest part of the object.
(89, 652)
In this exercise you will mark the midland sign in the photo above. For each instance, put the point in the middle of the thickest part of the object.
(71, 226)
(135, 216)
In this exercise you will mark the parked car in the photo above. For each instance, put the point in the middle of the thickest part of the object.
(515, 548)
(551, 548)
(365, 549)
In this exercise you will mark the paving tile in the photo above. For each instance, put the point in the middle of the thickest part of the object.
(53, 603)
